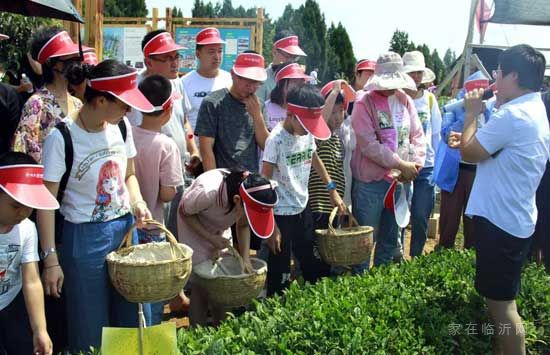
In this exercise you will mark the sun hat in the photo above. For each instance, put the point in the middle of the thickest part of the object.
(365, 64)
(259, 214)
(389, 74)
(59, 45)
(90, 58)
(160, 44)
(290, 45)
(311, 119)
(4, 37)
(291, 71)
(428, 76)
(209, 35)
(413, 61)
(125, 88)
(250, 66)
(25, 184)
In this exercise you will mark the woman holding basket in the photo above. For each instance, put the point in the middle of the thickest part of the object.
(99, 203)
(215, 201)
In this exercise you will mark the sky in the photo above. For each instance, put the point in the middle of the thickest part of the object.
(441, 24)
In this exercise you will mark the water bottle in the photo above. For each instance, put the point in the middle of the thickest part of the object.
(25, 80)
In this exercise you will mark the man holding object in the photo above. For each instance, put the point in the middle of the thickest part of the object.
(511, 151)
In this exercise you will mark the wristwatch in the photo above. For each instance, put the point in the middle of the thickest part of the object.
(45, 253)
(331, 186)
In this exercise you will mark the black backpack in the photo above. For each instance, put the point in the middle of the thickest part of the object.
(69, 156)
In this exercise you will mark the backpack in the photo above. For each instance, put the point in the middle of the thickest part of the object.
(69, 156)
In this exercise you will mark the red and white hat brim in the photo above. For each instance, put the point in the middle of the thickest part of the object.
(33, 195)
(4, 37)
(134, 98)
(252, 73)
(293, 50)
(317, 127)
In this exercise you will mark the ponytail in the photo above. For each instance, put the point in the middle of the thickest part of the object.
(233, 180)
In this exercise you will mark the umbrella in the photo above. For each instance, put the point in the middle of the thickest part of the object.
(60, 9)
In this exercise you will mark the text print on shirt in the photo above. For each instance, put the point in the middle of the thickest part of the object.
(299, 158)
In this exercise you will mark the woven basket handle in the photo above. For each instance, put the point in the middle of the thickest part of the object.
(352, 221)
(127, 241)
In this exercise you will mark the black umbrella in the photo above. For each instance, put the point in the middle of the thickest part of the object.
(60, 9)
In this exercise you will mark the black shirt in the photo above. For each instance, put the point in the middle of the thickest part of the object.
(10, 114)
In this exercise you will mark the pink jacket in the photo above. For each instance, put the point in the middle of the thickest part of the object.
(377, 138)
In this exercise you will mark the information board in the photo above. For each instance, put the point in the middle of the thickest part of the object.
(237, 40)
(124, 44)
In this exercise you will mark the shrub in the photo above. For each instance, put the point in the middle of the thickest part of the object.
(426, 306)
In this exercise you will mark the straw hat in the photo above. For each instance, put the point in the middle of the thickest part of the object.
(389, 74)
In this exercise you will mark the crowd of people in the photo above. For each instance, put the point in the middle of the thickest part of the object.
(258, 158)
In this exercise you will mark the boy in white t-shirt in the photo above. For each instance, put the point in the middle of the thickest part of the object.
(511, 150)
(22, 319)
(288, 157)
(208, 76)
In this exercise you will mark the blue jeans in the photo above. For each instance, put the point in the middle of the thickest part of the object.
(368, 209)
(92, 301)
(422, 205)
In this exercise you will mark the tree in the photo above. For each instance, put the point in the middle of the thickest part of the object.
(176, 12)
(125, 8)
(342, 50)
(20, 29)
(449, 59)
(399, 42)
(438, 68)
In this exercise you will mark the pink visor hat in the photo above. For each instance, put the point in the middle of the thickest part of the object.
(250, 66)
(59, 45)
(476, 84)
(123, 87)
(291, 71)
(347, 91)
(366, 65)
(311, 119)
(209, 35)
(169, 101)
(3, 37)
(90, 58)
(25, 184)
(290, 45)
(160, 44)
(400, 208)
(259, 215)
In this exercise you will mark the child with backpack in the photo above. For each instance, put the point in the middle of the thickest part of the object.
(99, 203)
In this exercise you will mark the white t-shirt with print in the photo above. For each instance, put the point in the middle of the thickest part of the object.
(198, 87)
(96, 190)
(174, 127)
(518, 138)
(431, 124)
(18, 246)
(292, 156)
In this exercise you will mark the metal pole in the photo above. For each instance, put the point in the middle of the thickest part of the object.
(140, 329)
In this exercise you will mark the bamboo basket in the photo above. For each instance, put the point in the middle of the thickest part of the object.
(154, 280)
(345, 246)
(231, 289)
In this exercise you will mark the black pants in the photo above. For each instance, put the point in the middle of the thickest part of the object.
(15, 329)
(297, 238)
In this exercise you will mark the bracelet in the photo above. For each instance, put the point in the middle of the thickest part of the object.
(49, 267)
(331, 186)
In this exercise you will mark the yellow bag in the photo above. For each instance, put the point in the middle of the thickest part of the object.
(157, 340)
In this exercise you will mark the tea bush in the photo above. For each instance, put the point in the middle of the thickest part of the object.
(427, 306)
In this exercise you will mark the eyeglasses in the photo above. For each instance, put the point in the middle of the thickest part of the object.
(175, 58)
